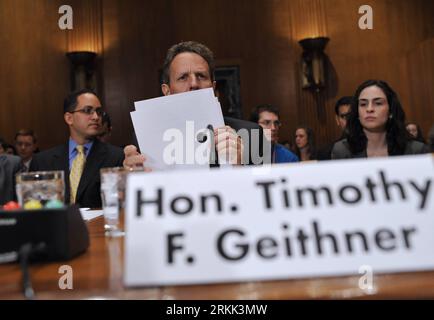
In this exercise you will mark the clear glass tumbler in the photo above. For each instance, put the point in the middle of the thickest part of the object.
(113, 197)
(41, 186)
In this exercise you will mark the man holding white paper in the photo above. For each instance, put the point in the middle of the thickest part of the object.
(189, 66)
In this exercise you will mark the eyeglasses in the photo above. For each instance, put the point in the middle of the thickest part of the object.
(344, 115)
(268, 123)
(23, 144)
(88, 110)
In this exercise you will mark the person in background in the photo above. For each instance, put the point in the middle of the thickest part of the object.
(415, 131)
(376, 125)
(288, 145)
(305, 144)
(83, 155)
(106, 128)
(431, 139)
(267, 116)
(10, 149)
(9, 166)
(26, 146)
(190, 66)
(342, 111)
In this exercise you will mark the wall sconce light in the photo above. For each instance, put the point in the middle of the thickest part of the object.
(83, 75)
(313, 63)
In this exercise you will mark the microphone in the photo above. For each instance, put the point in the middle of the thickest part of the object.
(214, 157)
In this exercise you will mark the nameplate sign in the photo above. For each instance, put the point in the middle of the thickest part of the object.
(281, 222)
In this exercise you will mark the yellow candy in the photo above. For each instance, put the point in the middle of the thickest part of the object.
(32, 205)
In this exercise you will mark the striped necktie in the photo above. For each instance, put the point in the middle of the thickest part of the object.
(76, 171)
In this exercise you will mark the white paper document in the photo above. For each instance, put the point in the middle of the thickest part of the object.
(88, 214)
(170, 129)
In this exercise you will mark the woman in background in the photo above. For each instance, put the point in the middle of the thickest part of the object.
(305, 143)
(376, 125)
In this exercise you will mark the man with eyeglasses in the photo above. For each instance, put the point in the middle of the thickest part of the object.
(267, 116)
(190, 66)
(83, 155)
(342, 111)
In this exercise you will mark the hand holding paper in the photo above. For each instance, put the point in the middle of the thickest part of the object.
(171, 129)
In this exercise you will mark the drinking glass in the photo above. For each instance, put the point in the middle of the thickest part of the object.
(113, 198)
(41, 186)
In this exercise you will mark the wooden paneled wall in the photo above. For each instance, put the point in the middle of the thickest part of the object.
(33, 70)
(261, 36)
(419, 76)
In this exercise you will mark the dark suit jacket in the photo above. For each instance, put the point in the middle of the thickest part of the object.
(259, 149)
(325, 153)
(101, 155)
(341, 149)
(9, 166)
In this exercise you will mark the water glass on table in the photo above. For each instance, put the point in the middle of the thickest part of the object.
(113, 198)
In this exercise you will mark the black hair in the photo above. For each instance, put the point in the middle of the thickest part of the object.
(3, 143)
(254, 117)
(106, 119)
(346, 100)
(70, 102)
(396, 134)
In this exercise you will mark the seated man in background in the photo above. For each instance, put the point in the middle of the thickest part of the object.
(25, 145)
(415, 131)
(190, 66)
(83, 155)
(431, 139)
(342, 111)
(106, 128)
(9, 166)
(267, 116)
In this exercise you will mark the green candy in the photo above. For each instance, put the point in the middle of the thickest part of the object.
(54, 204)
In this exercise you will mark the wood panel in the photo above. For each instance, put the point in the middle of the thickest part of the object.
(419, 65)
(136, 35)
(261, 36)
(357, 55)
(87, 32)
(34, 74)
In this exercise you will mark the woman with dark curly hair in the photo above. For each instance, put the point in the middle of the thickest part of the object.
(305, 144)
(376, 125)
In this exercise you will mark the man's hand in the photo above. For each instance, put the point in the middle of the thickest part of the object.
(228, 145)
(134, 160)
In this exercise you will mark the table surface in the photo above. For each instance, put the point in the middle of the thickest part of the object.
(97, 274)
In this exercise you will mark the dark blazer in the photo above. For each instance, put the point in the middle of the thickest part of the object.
(9, 166)
(101, 155)
(341, 149)
(325, 153)
(254, 144)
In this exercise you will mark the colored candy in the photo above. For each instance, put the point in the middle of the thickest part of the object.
(32, 205)
(54, 204)
(11, 205)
